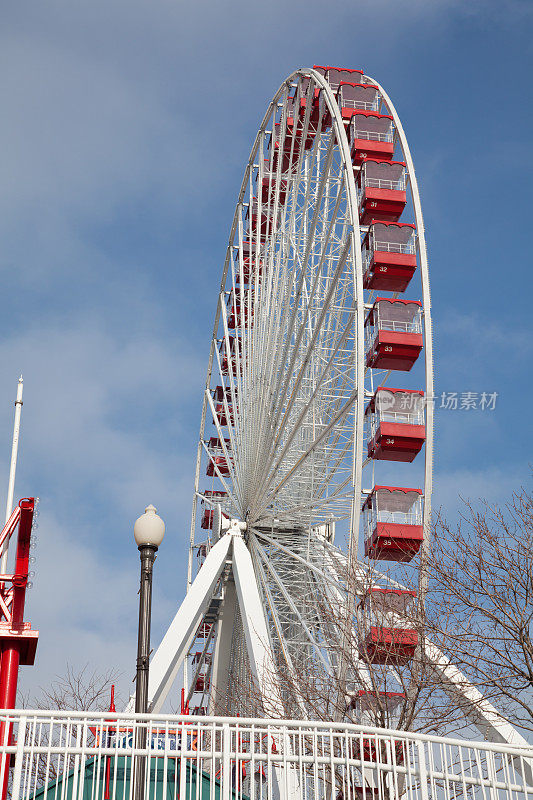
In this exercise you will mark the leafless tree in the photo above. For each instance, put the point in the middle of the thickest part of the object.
(481, 579)
(76, 690)
(384, 686)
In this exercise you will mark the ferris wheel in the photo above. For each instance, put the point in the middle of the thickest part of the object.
(315, 453)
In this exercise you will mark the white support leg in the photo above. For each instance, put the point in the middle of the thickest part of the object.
(477, 709)
(176, 643)
(222, 652)
(260, 656)
(255, 627)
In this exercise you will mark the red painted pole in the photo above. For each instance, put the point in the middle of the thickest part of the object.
(9, 668)
(108, 763)
(16, 639)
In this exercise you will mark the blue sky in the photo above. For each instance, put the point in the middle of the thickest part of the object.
(126, 128)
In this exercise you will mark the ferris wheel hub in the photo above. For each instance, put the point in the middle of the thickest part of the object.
(223, 524)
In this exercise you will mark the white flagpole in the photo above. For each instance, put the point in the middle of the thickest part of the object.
(13, 468)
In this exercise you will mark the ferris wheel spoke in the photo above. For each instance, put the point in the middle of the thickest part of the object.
(296, 346)
(290, 602)
(307, 250)
(323, 407)
(310, 450)
(296, 428)
(334, 505)
(305, 358)
(276, 622)
(309, 564)
(325, 483)
(318, 501)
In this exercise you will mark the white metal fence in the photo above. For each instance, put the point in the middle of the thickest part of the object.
(67, 755)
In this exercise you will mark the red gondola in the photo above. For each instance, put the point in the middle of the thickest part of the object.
(234, 345)
(224, 418)
(396, 424)
(337, 75)
(263, 222)
(198, 655)
(371, 135)
(269, 186)
(201, 551)
(222, 466)
(314, 114)
(393, 332)
(389, 256)
(239, 309)
(214, 493)
(390, 646)
(207, 519)
(204, 630)
(380, 186)
(216, 446)
(374, 709)
(389, 638)
(251, 263)
(217, 458)
(352, 97)
(392, 520)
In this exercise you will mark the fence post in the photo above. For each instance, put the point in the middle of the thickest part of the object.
(226, 771)
(19, 758)
(422, 771)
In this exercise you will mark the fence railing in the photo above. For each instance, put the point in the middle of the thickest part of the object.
(83, 756)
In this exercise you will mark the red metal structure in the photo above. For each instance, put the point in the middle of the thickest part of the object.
(18, 641)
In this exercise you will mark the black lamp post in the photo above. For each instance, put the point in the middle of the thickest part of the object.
(148, 530)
